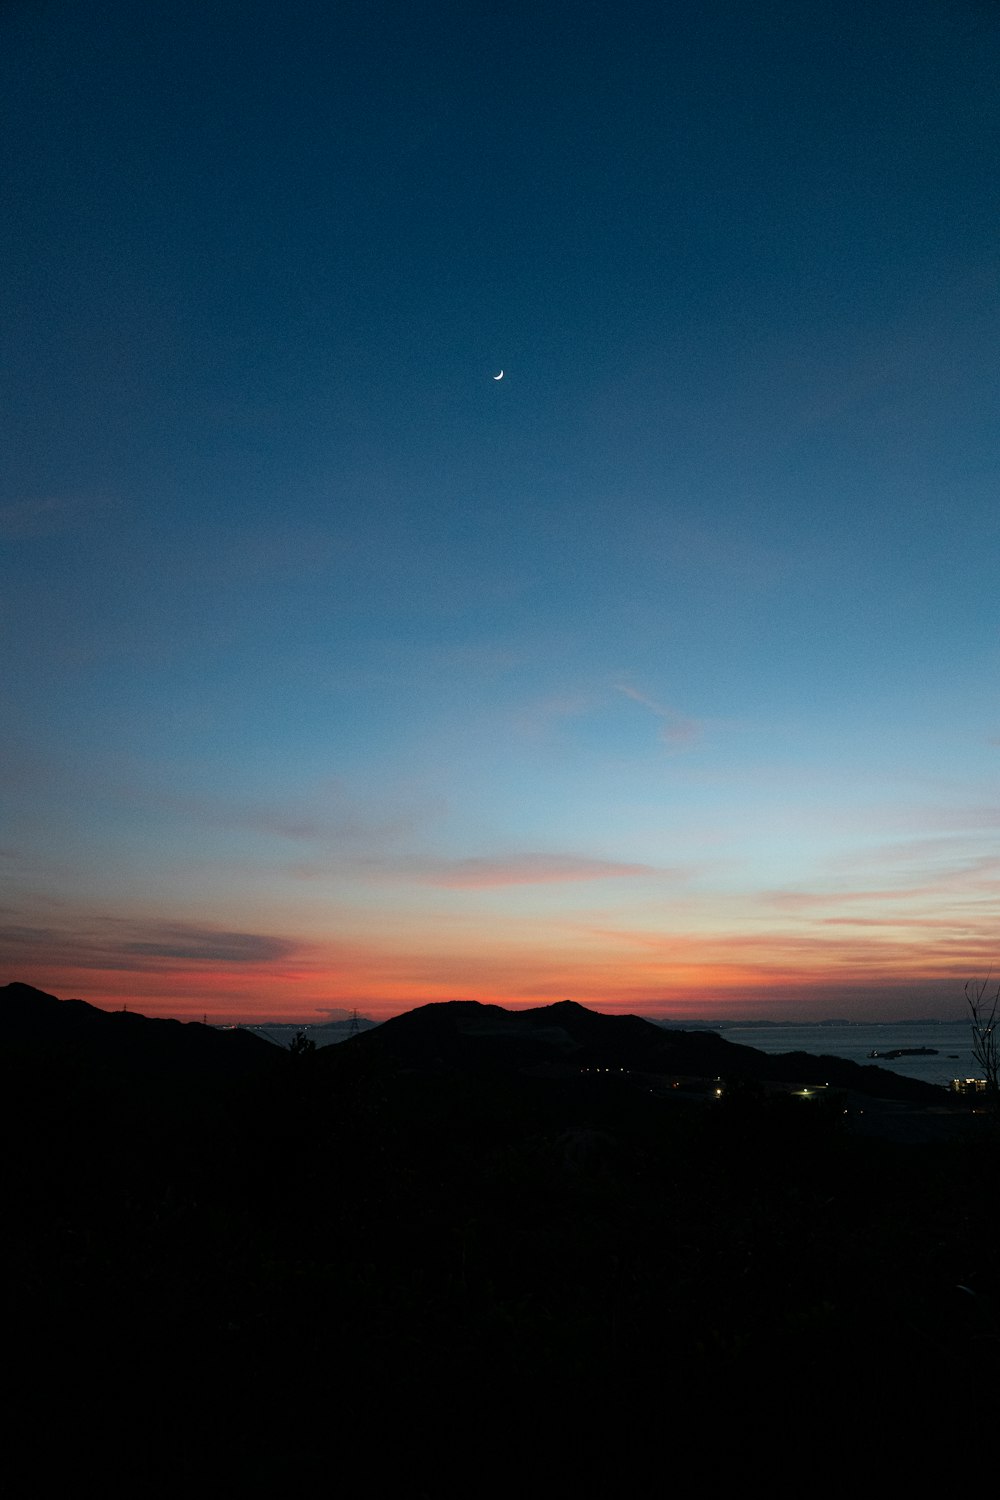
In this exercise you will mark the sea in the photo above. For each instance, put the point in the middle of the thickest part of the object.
(950, 1041)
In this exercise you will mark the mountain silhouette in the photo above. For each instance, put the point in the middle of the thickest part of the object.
(211, 1243)
(36, 1024)
(460, 1036)
(465, 1035)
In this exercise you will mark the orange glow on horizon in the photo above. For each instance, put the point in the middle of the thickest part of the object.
(380, 986)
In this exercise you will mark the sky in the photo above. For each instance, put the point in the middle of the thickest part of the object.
(660, 674)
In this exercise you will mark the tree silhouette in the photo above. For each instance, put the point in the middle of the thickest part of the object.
(985, 1037)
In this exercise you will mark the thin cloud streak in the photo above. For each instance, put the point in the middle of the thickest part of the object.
(486, 872)
(524, 869)
(326, 825)
(679, 732)
(137, 947)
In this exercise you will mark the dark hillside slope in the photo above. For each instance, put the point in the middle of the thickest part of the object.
(35, 1024)
(370, 1254)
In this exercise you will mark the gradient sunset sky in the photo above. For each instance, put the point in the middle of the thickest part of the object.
(662, 673)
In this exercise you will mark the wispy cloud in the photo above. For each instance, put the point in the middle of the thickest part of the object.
(544, 716)
(788, 954)
(479, 873)
(185, 940)
(137, 946)
(330, 812)
(484, 873)
(679, 732)
(949, 891)
(948, 852)
(332, 817)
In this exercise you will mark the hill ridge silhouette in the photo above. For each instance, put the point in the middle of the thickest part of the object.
(467, 1034)
(32, 1020)
(452, 1035)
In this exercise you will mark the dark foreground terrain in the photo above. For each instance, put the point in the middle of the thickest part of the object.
(452, 1254)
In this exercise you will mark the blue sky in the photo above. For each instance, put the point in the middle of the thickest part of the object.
(662, 672)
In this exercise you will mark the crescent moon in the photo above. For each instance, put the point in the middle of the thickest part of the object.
(498, 377)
